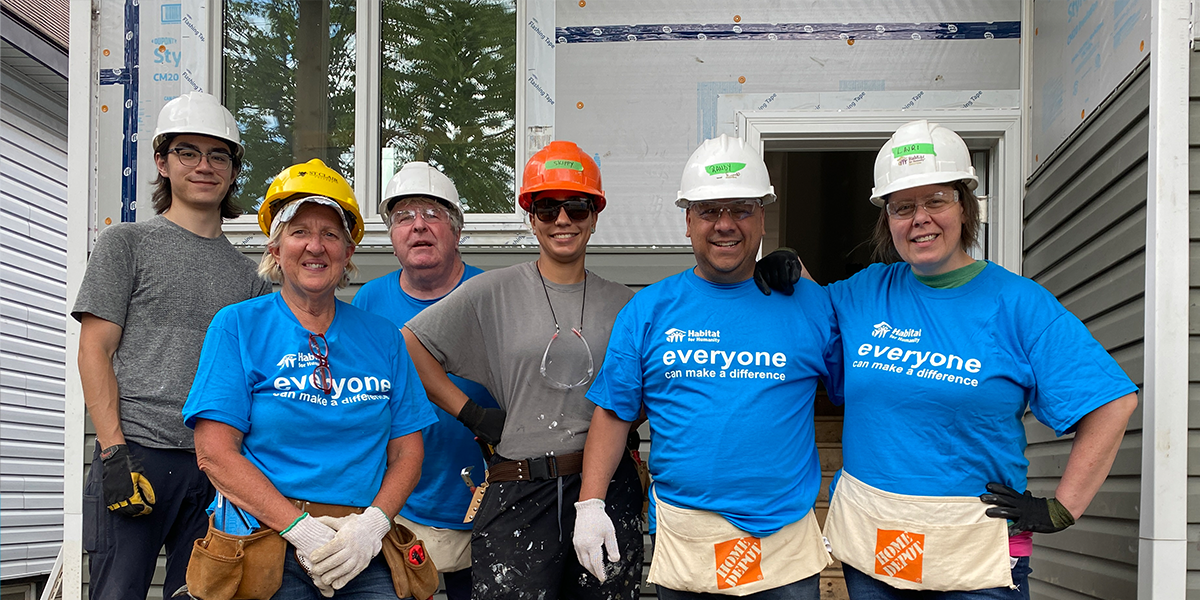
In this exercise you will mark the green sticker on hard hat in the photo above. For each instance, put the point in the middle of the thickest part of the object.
(724, 168)
(559, 163)
(910, 149)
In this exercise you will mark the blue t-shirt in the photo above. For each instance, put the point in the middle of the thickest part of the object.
(441, 497)
(937, 380)
(727, 377)
(255, 376)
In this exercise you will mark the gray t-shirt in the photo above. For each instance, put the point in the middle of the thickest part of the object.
(494, 329)
(162, 284)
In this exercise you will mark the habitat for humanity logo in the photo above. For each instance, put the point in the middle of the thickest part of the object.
(675, 335)
(908, 336)
(287, 362)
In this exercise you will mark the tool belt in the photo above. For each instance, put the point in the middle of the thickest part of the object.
(536, 469)
(413, 572)
(236, 567)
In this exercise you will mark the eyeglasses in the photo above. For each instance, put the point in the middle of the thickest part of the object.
(933, 204)
(407, 217)
(711, 211)
(321, 378)
(219, 160)
(578, 209)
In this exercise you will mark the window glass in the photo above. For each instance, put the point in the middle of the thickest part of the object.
(448, 81)
(289, 81)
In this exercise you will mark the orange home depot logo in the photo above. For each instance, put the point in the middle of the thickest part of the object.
(899, 554)
(738, 562)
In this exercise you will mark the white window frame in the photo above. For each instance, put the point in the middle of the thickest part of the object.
(818, 130)
(368, 110)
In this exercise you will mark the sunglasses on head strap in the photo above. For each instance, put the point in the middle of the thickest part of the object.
(578, 208)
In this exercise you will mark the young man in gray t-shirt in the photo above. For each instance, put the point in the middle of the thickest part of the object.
(147, 297)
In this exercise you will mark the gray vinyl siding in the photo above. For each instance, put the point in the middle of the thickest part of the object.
(33, 241)
(1193, 468)
(1084, 238)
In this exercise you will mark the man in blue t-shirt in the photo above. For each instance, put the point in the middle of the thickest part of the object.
(424, 219)
(726, 376)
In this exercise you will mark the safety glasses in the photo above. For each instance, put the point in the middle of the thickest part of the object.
(711, 210)
(321, 378)
(578, 209)
(933, 204)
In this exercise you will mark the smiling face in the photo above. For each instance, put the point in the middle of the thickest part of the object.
(562, 240)
(725, 249)
(201, 186)
(930, 244)
(313, 251)
(423, 244)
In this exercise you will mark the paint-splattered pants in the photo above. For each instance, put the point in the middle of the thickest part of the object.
(521, 545)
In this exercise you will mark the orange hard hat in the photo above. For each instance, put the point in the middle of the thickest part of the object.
(561, 166)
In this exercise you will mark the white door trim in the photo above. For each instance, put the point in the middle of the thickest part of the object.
(844, 131)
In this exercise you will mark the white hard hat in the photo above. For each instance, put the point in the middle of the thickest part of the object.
(722, 168)
(201, 114)
(921, 153)
(419, 179)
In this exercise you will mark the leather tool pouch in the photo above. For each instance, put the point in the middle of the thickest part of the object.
(236, 567)
(413, 572)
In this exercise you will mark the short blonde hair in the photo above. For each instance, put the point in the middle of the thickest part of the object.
(269, 269)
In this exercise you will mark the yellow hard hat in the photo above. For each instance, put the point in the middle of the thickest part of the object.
(316, 179)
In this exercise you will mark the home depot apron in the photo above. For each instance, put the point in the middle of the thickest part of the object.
(918, 542)
(699, 551)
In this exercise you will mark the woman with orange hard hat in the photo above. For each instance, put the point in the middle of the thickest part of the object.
(535, 334)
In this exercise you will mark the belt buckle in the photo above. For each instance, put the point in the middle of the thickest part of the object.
(543, 467)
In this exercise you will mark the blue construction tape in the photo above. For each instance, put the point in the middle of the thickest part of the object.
(978, 30)
(128, 76)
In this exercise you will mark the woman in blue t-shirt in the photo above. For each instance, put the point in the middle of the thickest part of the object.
(943, 354)
(307, 410)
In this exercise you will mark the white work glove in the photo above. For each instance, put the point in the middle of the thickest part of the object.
(307, 535)
(593, 531)
(358, 540)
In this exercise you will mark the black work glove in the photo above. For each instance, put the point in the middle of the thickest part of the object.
(1026, 511)
(779, 271)
(486, 423)
(126, 489)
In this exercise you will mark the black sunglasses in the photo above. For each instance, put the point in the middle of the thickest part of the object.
(578, 209)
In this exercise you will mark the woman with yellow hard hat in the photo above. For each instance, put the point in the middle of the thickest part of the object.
(307, 410)
(534, 334)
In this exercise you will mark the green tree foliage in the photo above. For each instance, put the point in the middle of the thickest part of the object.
(448, 86)
(281, 124)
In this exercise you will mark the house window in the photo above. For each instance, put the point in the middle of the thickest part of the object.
(289, 75)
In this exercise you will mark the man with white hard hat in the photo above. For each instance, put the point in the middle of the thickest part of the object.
(424, 217)
(146, 300)
(709, 357)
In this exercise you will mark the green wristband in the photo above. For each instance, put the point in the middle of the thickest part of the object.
(289, 527)
(1060, 517)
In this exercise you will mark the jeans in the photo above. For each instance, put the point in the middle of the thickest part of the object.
(374, 583)
(805, 589)
(122, 550)
(864, 587)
